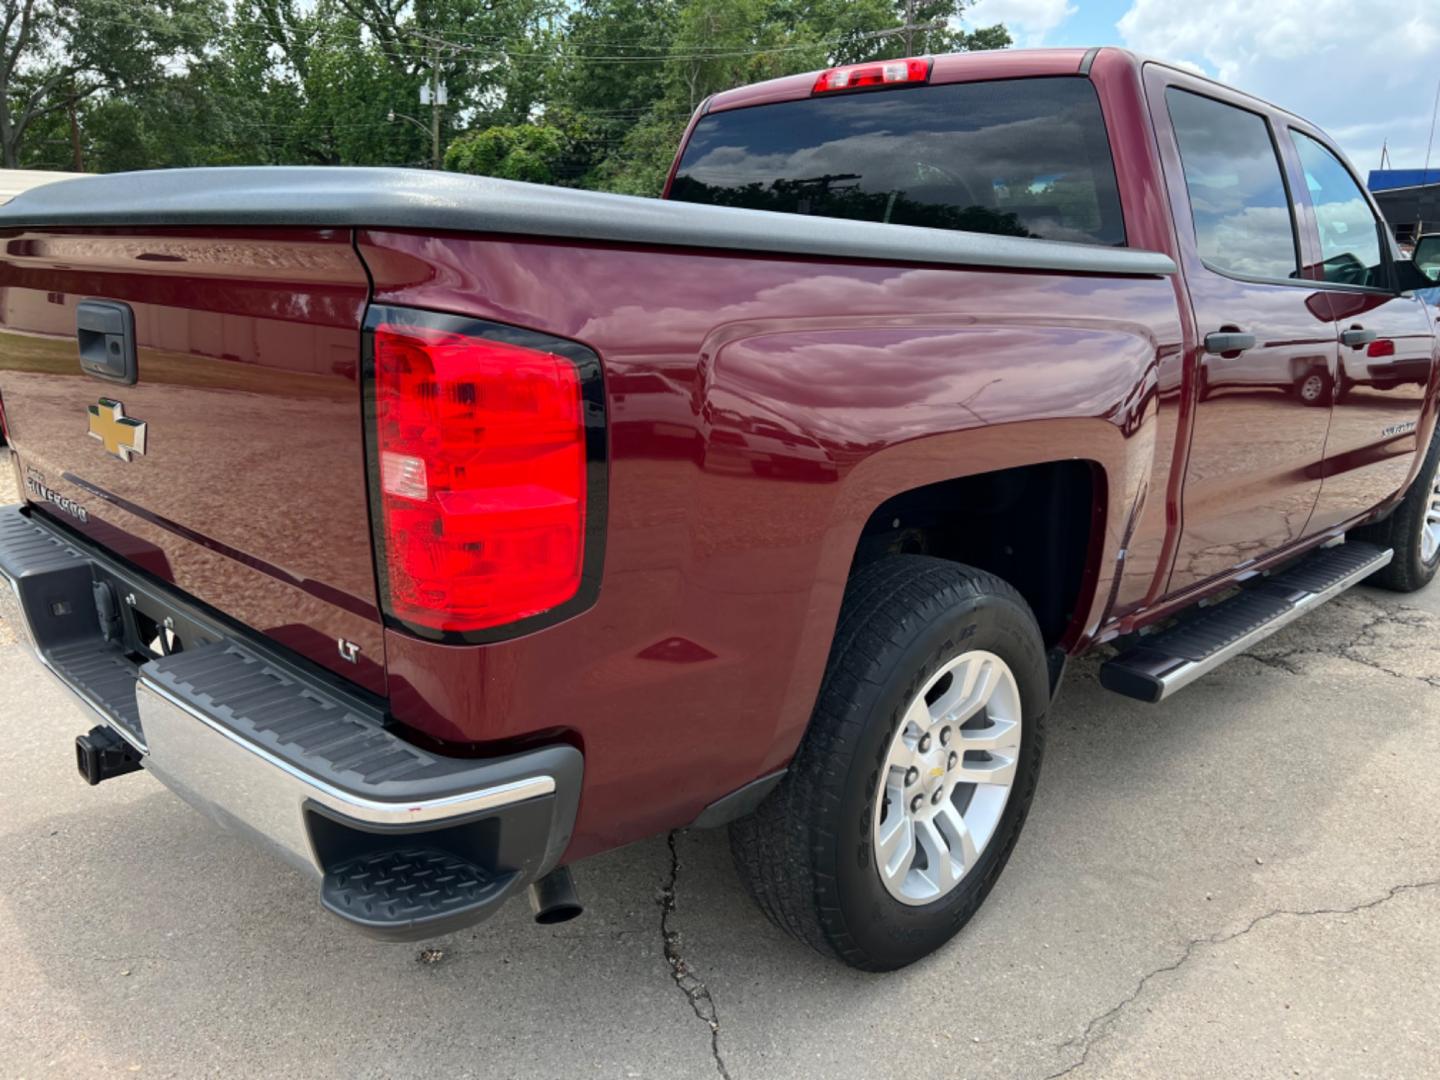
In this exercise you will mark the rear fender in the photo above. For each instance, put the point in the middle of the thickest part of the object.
(856, 415)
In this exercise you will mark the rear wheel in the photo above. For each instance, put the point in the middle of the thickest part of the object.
(1413, 530)
(910, 787)
(1313, 388)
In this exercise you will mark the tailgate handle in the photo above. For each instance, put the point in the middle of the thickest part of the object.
(106, 332)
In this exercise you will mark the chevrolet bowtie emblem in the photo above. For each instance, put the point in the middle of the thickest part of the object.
(121, 435)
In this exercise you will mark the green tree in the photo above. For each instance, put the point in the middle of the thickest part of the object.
(533, 152)
(339, 81)
(611, 67)
(939, 31)
(59, 54)
(642, 161)
(183, 119)
(493, 56)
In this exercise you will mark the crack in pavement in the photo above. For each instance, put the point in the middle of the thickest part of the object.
(1099, 1027)
(1366, 637)
(689, 984)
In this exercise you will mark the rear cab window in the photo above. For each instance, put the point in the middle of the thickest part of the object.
(1019, 157)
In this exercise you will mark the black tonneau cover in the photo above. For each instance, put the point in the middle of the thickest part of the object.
(416, 199)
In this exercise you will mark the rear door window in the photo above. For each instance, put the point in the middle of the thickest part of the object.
(1244, 224)
(1021, 157)
(1350, 250)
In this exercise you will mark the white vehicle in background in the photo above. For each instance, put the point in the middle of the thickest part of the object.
(1307, 375)
(15, 181)
(1377, 366)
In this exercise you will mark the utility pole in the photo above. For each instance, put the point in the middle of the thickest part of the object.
(911, 26)
(77, 156)
(433, 93)
(435, 107)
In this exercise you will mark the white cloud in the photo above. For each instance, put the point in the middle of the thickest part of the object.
(1365, 72)
(1027, 20)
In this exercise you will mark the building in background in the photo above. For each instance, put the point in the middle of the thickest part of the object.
(1410, 200)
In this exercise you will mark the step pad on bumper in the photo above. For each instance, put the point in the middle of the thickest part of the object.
(106, 676)
(1171, 659)
(421, 892)
(341, 741)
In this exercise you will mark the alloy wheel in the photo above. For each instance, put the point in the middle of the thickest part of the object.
(1430, 526)
(947, 777)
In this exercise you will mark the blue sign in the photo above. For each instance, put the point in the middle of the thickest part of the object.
(1390, 179)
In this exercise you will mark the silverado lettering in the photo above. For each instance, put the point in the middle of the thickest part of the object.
(36, 486)
(779, 503)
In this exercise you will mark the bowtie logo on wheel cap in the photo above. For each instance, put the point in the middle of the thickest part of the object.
(120, 434)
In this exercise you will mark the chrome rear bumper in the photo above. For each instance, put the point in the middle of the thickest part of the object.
(288, 756)
(239, 782)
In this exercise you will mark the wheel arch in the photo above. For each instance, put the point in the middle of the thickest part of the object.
(1038, 527)
(1043, 455)
(1097, 448)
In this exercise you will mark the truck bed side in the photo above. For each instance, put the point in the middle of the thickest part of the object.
(760, 412)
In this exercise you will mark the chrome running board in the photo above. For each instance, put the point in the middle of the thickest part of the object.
(1174, 658)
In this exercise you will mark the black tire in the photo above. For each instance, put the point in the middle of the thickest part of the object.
(1343, 386)
(1409, 570)
(805, 855)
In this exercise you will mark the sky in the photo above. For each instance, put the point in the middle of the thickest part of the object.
(1366, 71)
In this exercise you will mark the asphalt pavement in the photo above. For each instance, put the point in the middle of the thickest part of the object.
(1243, 881)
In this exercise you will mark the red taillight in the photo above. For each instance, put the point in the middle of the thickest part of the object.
(482, 477)
(876, 74)
(1382, 347)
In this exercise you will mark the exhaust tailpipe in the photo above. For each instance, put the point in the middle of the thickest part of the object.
(553, 898)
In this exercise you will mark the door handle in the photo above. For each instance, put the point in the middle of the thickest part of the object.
(1228, 341)
(105, 331)
(1356, 336)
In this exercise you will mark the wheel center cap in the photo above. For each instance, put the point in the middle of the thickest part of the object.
(932, 771)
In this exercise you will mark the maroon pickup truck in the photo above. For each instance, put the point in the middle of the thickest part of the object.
(439, 532)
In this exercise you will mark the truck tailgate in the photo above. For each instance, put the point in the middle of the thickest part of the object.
(245, 486)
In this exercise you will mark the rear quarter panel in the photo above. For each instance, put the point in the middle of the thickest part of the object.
(760, 409)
